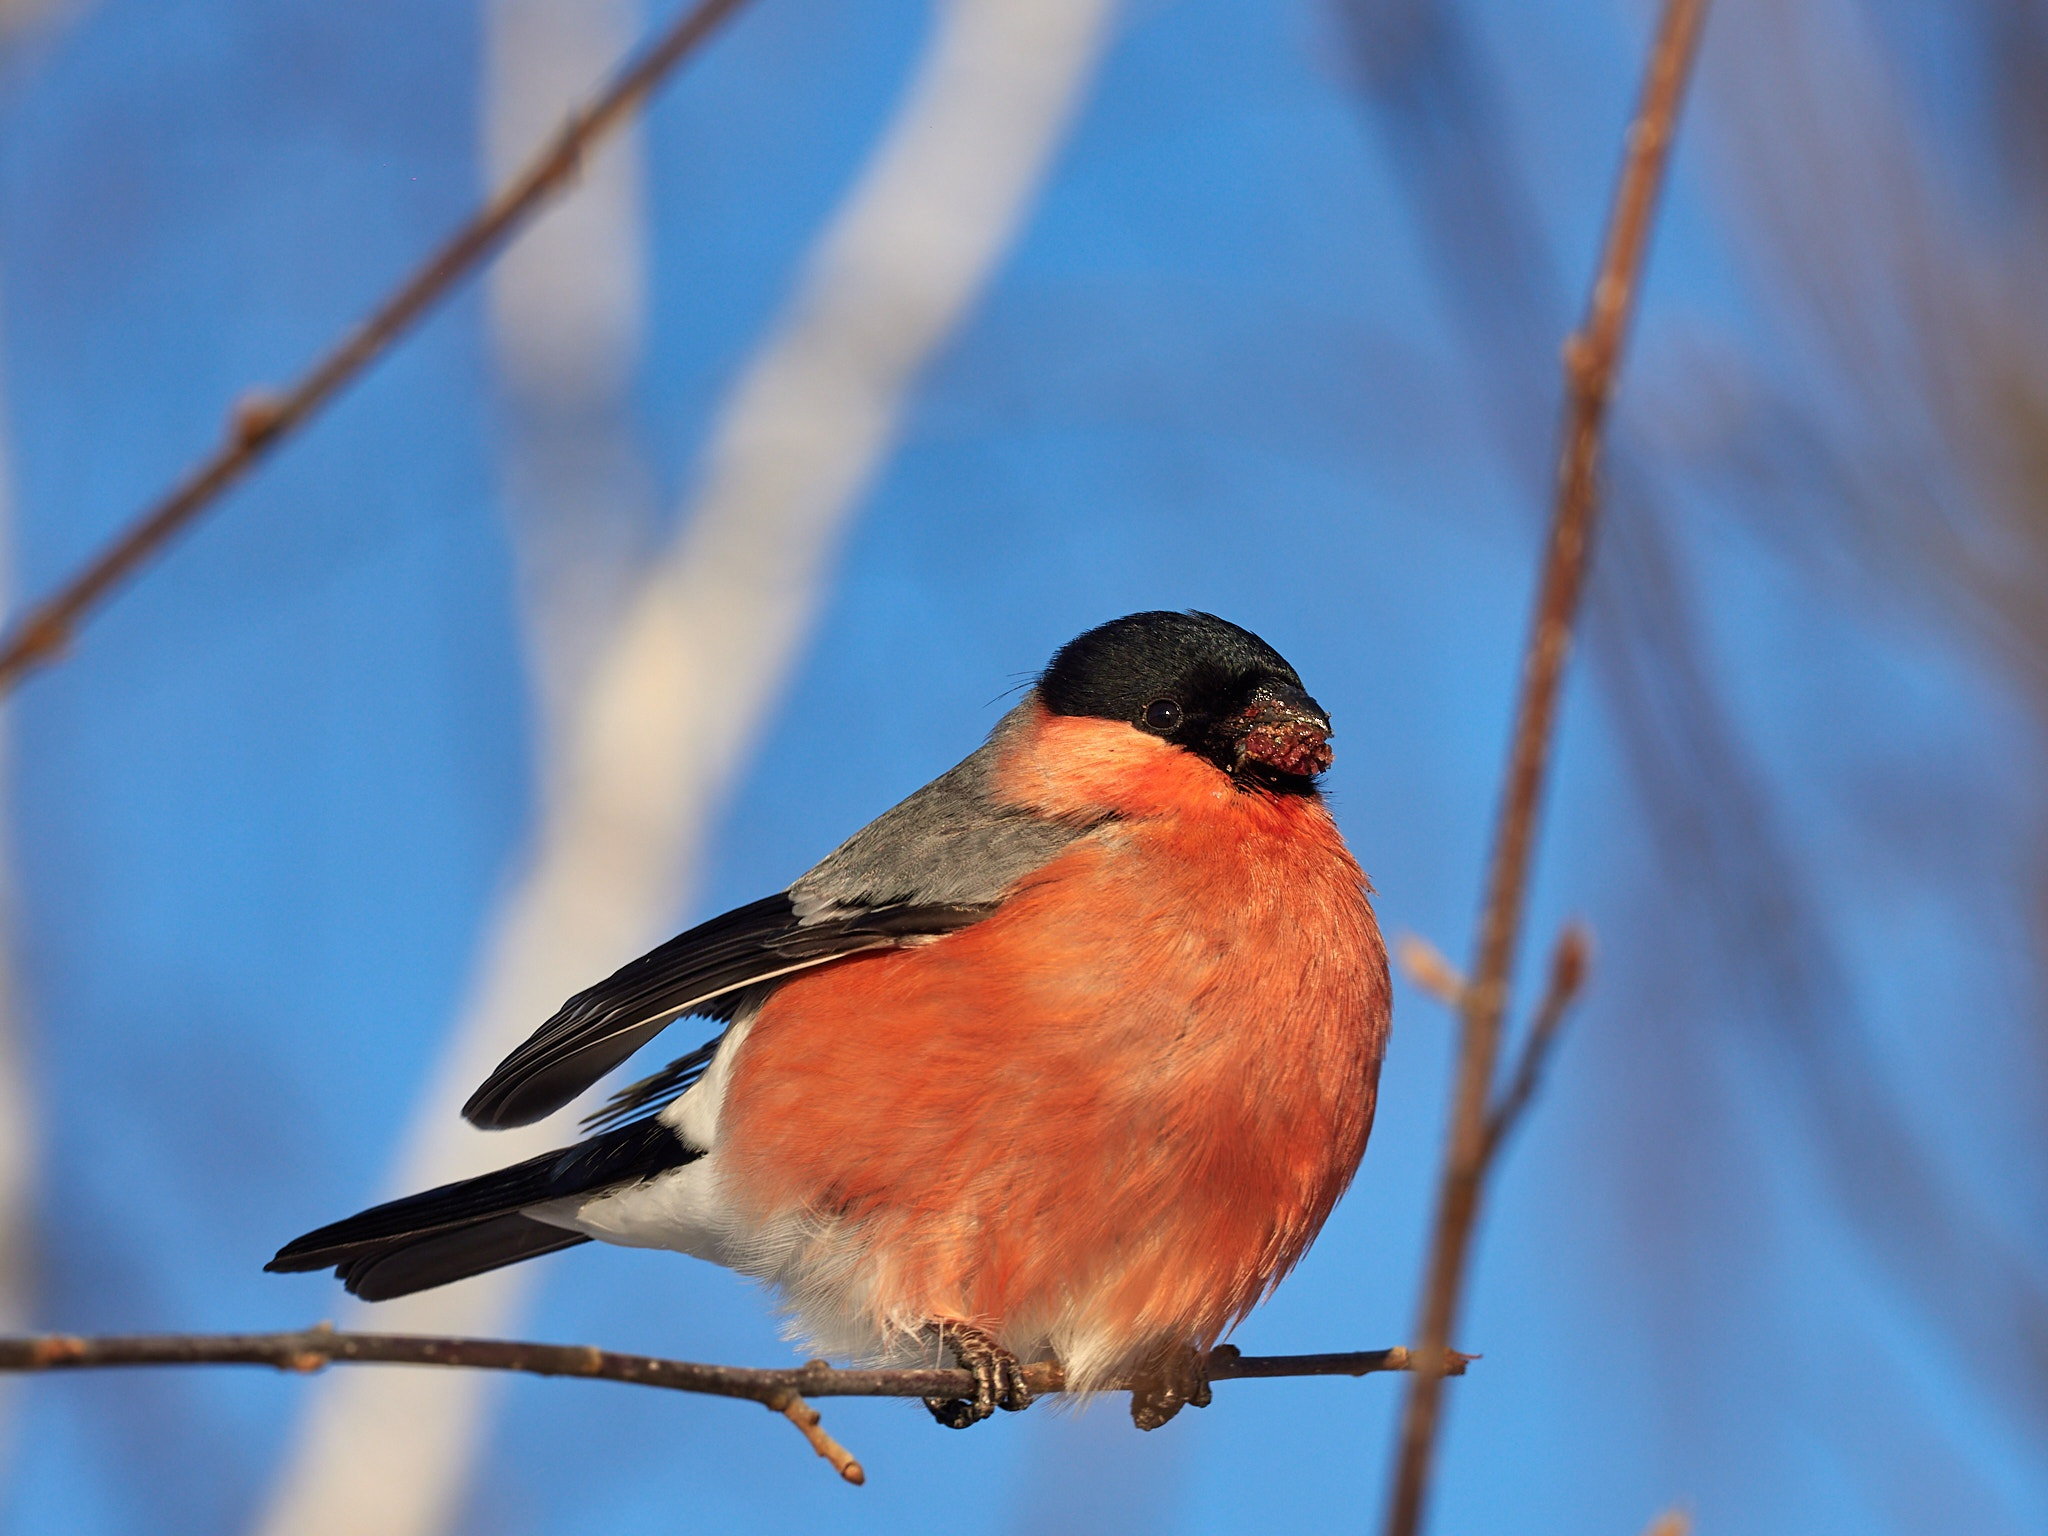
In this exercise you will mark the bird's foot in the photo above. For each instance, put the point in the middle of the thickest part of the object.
(1176, 1378)
(998, 1378)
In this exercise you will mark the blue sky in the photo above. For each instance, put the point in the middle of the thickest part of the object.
(262, 816)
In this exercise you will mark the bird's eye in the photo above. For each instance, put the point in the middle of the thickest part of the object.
(1162, 715)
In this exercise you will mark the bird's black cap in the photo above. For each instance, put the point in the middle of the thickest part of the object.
(1197, 680)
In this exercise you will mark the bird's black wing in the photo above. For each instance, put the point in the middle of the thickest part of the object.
(701, 971)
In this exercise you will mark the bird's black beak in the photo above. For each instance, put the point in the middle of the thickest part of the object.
(1283, 729)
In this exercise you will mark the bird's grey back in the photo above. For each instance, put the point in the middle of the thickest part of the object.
(950, 844)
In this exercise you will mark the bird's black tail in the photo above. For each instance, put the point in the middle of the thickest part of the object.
(463, 1229)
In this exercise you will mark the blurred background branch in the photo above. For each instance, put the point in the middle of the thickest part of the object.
(260, 420)
(565, 304)
(1592, 357)
(20, 22)
(1833, 440)
(18, 1131)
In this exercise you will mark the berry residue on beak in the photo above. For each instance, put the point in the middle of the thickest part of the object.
(1286, 730)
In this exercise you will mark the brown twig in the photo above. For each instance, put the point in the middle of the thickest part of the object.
(1590, 358)
(810, 1424)
(1568, 963)
(1429, 968)
(258, 422)
(782, 1391)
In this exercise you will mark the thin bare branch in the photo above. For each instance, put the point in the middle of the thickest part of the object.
(261, 420)
(1591, 357)
(311, 1349)
(1568, 962)
(782, 1391)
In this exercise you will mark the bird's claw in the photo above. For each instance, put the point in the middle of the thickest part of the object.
(998, 1379)
(1176, 1380)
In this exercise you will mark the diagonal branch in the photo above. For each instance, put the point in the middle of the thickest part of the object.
(261, 421)
(781, 1391)
(1568, 962)
(1591, 359)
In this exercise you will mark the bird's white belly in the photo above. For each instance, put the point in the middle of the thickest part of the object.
(683, 1209)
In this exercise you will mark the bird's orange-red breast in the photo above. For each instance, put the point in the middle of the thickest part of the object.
(1067, 1056)
(1109, 1116)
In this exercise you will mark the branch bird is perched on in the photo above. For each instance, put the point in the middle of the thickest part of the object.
(1067, 1056)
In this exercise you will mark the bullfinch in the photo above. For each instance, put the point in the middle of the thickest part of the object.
(1066, 1057)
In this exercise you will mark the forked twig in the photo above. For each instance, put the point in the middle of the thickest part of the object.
(781, 1391)
(1591, 356)
(1568, 963)
(260, 421)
